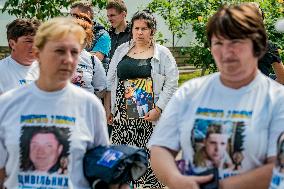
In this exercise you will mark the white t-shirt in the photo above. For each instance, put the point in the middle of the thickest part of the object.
(234, 130)
(89, 76)
(75, 116)
(13, 74)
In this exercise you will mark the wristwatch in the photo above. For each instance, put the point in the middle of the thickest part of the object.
(158, 109)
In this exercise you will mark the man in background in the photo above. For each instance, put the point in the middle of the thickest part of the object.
(120, 30)
(20, 67)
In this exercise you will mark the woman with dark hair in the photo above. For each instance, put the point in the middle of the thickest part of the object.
(239, 95)
(148, 70)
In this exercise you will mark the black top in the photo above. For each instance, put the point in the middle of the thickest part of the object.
(130, 68)
(271, 56)
(118, 39)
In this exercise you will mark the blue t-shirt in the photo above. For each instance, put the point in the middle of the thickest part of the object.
(103, 44)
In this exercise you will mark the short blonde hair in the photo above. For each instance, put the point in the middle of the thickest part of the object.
(57, 28)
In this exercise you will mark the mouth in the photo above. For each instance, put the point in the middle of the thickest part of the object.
(65, 70)
(230, 61)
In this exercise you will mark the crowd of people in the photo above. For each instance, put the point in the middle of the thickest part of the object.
(70, 85)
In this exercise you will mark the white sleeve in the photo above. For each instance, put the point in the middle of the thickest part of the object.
(101, 133)
(167, 132)
(276, 125)
(99, 77)
(3, 150)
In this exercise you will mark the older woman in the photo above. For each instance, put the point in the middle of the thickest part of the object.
(239, 98)
(50, 120)
(141, 79)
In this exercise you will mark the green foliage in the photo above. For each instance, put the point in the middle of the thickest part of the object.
(42, 9)
(185, 77)
(172, 12)
(159, 38)
(101, 4)
(198, 12)
(39, 9)
(273, 10)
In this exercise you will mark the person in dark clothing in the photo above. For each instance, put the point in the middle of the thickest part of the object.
(270, 64)
(120, 29)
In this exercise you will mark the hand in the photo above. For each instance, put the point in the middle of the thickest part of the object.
(152, 115)
(189, 182)
(118, 186)
(109, 119)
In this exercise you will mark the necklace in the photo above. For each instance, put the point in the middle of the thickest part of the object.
(139, 52)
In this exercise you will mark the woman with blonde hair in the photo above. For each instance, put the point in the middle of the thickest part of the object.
(51, 101)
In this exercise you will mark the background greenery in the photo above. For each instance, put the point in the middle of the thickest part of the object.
(178, 15)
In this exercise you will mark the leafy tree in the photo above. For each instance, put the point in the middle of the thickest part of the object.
(39, 9)
(199, 11)
(42, 9)
(172, 12)
(273, 10)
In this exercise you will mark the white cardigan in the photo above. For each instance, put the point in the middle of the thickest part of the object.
(164, 74)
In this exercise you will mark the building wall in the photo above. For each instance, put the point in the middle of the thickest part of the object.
(133, 6)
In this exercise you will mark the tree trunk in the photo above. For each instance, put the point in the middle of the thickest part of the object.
(203, 70)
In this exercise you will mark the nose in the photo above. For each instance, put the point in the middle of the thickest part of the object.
(68, 58)
(140, 31)
(39, 150)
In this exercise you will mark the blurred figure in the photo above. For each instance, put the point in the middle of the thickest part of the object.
(90, 73)
(238, 96)
(100, 47)
(20, 67)
(278, 170)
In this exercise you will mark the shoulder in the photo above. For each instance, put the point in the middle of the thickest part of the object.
(15, 95)
(194, 86)
(105, 36)
(83, 95)
(163, 51)
(123, 46)
(4, 62)
(85, 57)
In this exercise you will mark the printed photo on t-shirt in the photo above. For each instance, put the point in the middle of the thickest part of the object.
(280, 153)
(44, 149)
(78, 77)
(139, 97)
(218, 144)
(277, 180)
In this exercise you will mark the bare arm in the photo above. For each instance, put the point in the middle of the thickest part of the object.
(99, 55)
(107, 105)
(2, 177)
(279, 71)
(258, 178)
(168, 173)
